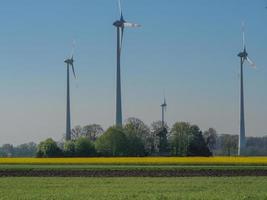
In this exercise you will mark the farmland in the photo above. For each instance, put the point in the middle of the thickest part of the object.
(134, 178)
(134, 188)
(141, 161)
(133, 167)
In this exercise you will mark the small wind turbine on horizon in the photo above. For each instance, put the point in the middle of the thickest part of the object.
(243, 57)
(120, 25)
(163, 110)
(69, 61)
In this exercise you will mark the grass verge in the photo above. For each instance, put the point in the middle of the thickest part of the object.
(197, 188)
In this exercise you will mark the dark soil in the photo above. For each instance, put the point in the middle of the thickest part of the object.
(130, 173)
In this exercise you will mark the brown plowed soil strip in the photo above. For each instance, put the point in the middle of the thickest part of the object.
(130, 173)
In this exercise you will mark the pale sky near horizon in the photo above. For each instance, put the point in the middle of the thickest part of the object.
(186, 47)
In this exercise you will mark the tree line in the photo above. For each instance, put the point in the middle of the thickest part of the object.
(135, 138)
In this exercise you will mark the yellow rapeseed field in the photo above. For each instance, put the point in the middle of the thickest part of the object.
(141, 161)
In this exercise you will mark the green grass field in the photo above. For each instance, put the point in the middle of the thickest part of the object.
(237, 188)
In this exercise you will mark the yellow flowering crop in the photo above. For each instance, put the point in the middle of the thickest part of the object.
(141, 160)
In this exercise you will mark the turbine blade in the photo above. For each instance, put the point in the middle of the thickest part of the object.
(74, 74)
(131, 25)
(122, 34)
(243, 35)
(165, 106)
(251, 62)
(73, 48)
(120, 9)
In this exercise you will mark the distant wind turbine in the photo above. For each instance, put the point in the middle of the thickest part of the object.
(243, 57)
(69, 61)
(120, 25)
(163, 110)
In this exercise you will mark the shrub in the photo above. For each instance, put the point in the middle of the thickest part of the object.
(112, 143)
(48, 148)
(84, 147)
(69, 148)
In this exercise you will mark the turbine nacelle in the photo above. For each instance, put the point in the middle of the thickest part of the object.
(163, 105)
(122, 24)
(243, 54)
(119, 23)
(69, 61)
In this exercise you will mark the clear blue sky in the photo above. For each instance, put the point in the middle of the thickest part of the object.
(186, 47)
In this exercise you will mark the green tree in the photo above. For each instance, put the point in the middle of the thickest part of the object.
(229, 144)
(135, 145)
(84, 147)
(92, 131)
(25, 150)
(138, 127)
(187, 140)
(48, 148)
(69, 148)
(76, 132)
(112, 143)
(160, 136)
(137, 130)
(7, 150)
(181, 134)
(210, 136)
(197, 145)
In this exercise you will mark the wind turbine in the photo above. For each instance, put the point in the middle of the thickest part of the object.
(243, 58)
(69, 61)
(120, 25)
(163, 110)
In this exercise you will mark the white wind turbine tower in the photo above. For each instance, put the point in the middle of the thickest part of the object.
(120, 25)
(69, 61)
(243, 57)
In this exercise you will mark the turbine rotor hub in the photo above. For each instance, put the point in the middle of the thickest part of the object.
(69, 61)
(119, 23)
(243, 54)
